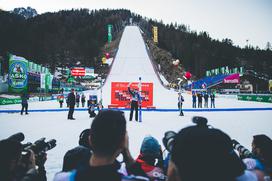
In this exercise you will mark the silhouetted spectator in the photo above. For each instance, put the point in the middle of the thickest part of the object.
(108, 138)
(202, 153)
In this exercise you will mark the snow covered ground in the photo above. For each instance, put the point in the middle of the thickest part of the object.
(132, 62)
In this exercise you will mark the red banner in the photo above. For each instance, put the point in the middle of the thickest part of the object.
(78, 72)
(232, 79)
(121, 97)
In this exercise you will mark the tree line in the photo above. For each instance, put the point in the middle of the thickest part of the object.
(69, 36)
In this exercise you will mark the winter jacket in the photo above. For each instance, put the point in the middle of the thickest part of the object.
(135, 95)
(24, 98)
(71, 99)
(100, 173)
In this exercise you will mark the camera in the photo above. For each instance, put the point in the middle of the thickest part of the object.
(40, 146)
(168, 139)
(17, 137)
(200, 121)
(243, 152)
(169, 136)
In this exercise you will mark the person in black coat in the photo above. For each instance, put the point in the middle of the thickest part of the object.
(71, 103)
(24, 98)
(199, 97)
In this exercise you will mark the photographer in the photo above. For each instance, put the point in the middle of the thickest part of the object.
(203, 153)
(260, 158)
(108, 138)
(17, 167)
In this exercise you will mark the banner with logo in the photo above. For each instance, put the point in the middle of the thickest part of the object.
(109, 33)
(18, 79)
(6, 101)
(78, 71)
(121, 97)
(155, 34)
(258, 98)
(48, 81)
(232, 79)
(42, 81)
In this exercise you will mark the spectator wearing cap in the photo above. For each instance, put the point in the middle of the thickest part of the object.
(149, 162)
(108, 138)
(203, 153)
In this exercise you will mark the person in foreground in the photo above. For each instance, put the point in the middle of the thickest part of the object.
(108, 138)
(204, 153)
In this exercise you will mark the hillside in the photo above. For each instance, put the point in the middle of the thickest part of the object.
(67, 37)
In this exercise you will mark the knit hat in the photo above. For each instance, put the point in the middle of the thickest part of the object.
(202, 149)
(150, 147)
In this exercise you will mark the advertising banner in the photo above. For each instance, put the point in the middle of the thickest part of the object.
(121, 97)
(6, 101)
(258, 98)
(232, 79)
(78, 71)
(109, 33)
(89, 71)
(18, 79)
(48, 81)
(270, 85)
(155, 34)
(42, 81)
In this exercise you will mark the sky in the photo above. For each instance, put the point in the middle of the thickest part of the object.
(238, 20)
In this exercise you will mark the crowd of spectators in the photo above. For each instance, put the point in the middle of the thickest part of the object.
(198, 152)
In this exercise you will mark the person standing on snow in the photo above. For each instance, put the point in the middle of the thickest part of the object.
(206, 98)
(77, 99)
(134, 102)
(83, 100)
(212, 100)
(71, 103)
(180, 102)
(194, 99)
(24, 98)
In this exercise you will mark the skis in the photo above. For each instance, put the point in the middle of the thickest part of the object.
(140, 101)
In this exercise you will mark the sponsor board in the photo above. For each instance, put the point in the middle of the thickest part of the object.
(18, 78)
(258, 98)
(5, 101)
(121, 97)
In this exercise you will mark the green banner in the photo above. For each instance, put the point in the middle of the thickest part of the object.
(109, 33)
(18, 79)
(5, 101)
(48, 81)
(258, 98)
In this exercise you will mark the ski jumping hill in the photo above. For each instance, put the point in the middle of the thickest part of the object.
(132, 62)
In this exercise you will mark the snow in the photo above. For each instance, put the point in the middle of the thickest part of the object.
(131, 63)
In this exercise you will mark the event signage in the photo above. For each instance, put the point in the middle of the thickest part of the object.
(155, 34)
(89, 72)
(6, 101)
(232, 79)
(48, 81)
(18, 79)
(78, 71)
(270, 85)
(121, 97)
(225, 71)
(109, 33)
(42, 81)
(258, 98)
